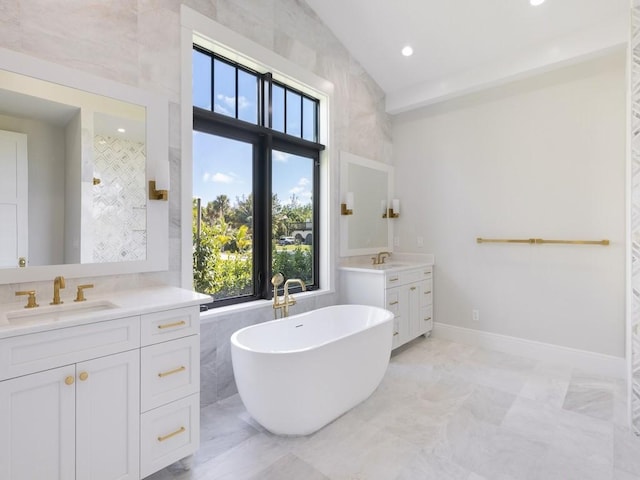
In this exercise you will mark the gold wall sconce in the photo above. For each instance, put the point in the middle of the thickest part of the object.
(346, 208)
(157, 194)
(394, 210)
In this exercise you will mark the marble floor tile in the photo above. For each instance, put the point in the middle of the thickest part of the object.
(547, 384)
(427, 466)
(243, 461)
(444, 411)
(563, 464)
(488, 404)
(589, 400)
(289, 466)
(626, 451)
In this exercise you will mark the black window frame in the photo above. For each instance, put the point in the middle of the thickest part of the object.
(264, 140)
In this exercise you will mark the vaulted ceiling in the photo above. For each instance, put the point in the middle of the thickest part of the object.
(461, 46)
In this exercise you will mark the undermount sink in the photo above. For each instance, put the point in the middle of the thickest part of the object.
(389, 265)
(59, 312)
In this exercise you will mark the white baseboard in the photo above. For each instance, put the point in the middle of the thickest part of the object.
(592, 362)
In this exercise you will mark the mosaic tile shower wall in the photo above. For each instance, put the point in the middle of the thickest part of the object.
(119, 200)
(634, 51)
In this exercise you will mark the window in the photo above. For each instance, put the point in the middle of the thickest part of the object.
(256, 186)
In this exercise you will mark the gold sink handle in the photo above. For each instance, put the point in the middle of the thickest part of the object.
(31, 301)
(80, 295)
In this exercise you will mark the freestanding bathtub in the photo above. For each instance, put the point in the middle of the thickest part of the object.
(297, 374)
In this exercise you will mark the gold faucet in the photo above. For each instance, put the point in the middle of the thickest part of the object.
(285, 302)
(288, 299)
(31, 301)
(58, 283)
(379, 258)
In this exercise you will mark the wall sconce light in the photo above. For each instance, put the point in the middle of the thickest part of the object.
(159, 188)
(346, 208)
(155, 194)
(394, 210)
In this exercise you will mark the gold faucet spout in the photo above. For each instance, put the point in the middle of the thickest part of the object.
(288, 298)
(58, 283)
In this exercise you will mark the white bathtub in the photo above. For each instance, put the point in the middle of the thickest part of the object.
(297, 374)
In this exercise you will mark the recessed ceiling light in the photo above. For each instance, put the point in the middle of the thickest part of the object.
(407, 51)
(535, 3)
(121, 130)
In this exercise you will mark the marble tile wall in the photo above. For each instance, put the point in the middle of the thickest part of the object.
(138, 43)
(634, 187)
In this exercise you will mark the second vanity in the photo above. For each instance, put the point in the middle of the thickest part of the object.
(403, 287)
(103, 389)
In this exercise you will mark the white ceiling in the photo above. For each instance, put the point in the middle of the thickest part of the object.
(464, 45)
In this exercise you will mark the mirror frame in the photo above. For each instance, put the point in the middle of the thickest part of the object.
(347, 159)
(157, 166)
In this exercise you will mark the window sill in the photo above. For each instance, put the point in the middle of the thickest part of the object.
(214, 314)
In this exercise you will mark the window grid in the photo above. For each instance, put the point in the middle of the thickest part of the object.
(265, 140)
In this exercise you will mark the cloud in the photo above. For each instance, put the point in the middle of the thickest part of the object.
(218, 177)
(281, 156)
(302, 190)
(226, 105)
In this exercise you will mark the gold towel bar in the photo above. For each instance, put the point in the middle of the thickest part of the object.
(539, 241)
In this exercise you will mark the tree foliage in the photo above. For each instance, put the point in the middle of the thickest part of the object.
(222, 247)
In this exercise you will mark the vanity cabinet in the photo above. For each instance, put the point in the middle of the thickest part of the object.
(406, 291)
(114, 399)
(77, 421)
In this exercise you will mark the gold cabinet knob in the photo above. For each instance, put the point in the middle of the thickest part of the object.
(69, 380)
(83, 376)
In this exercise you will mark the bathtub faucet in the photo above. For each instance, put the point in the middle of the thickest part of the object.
(288, 299)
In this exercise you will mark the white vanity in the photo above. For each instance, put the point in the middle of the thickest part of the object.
(405, 288)
(103, 389)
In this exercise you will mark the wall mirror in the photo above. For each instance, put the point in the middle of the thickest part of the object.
(368, 186)
(76, 155)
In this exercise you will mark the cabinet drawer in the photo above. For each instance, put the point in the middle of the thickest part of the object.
(40, 351)
(169, 371)
(426, 317)
(395, 342)
(392, 302)
(394, 279)
(168, 434)
(426, 296)
(169, 325)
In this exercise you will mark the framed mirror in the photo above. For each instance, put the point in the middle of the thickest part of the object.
(366, 185)
(76, 155)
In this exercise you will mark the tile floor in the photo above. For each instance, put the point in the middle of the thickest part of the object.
(444, 411)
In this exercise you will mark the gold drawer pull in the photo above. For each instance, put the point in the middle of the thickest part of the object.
(174, 324)
(394, 303)
(413, 288)
(171, 372)
(172, 434)
(427, 292)
(427, 319)
(393, 279)
(396, 333)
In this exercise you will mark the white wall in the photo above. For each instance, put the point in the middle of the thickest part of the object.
(543, 157)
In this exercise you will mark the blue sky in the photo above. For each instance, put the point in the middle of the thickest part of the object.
(223, 166)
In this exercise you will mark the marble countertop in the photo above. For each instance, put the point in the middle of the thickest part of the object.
(396, 263)
(17, 320)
